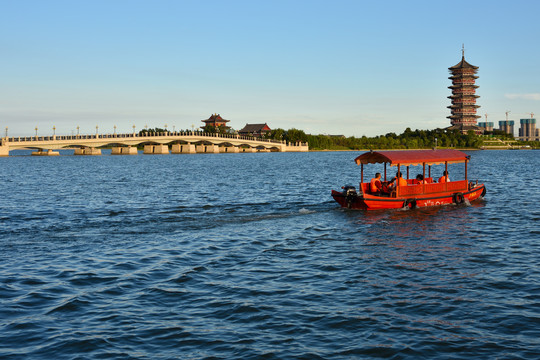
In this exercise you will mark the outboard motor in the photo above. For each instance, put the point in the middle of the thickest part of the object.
(350, 195)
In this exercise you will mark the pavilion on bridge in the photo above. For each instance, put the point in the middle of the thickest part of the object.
(216, 121)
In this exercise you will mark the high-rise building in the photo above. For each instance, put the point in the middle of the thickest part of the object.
(463, 109)
(528, 130)
(507, 126)
(487, 126)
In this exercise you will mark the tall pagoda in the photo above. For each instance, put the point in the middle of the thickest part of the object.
(463, 97)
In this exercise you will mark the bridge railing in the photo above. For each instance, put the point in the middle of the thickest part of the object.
(137, 135)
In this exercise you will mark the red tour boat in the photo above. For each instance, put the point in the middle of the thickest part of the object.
(410, 193)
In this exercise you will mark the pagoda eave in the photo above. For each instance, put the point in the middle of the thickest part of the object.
(463, 86)
(460, 76)
(458, 96)
(464, 118)
(462, 65)
(463, 106)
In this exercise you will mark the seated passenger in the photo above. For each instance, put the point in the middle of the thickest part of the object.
(397, 181)
(444, 178)
(419, 179)
(375, 186)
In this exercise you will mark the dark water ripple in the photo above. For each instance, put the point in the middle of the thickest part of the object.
(246, 256)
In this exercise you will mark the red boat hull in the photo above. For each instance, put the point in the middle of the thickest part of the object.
(364, 201)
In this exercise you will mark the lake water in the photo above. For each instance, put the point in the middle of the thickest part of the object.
(246, 256)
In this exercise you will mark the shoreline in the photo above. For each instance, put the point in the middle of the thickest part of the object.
(462, 149)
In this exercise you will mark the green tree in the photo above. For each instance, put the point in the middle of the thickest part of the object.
(222, 129)
(295, 135)
(209, 129)
(276, 134)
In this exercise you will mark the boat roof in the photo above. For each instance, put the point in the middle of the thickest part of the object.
(412, 157)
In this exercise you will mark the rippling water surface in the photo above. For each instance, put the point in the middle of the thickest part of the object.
(246, 256)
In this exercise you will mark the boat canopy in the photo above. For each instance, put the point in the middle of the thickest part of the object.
(413, 157)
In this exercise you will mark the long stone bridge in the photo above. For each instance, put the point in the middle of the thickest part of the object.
(189, 142)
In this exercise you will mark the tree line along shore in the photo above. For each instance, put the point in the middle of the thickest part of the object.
(409, 139)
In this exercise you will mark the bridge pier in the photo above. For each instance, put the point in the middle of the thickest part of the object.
(208, 149)
(4, 150)
(124, 150)
(49, 152)
(183, 149)
(249, 150)
(156, 149)
(229, 149)
(87, 151)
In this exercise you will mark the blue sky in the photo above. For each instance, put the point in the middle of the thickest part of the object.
(330, 67)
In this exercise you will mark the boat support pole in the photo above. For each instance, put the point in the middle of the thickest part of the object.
(424, 178)
(361, 173)
(397, 182)
(446, 176)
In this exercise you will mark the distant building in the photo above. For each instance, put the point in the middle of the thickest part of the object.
(216, 121)
(463, 109)
(507, 126)
(487, 126)
(337, 136)
(257, 130)
(528, 130)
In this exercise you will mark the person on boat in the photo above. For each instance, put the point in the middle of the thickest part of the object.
(445, 177)
(419, 179)
(397, 181)
(375, 186)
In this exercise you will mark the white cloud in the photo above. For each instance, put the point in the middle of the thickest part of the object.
(533, 96)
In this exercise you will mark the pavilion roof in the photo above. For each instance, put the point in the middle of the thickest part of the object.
(215, 118)
(251, 128)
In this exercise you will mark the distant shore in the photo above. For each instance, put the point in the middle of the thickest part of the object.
(463, 149)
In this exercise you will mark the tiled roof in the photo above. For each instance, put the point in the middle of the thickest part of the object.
(254, 128)
(462, 65)
(463, 127)
(215, 118)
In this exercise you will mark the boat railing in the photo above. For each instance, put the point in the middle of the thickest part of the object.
(409, 190)
(453, 186)
(461, 185)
